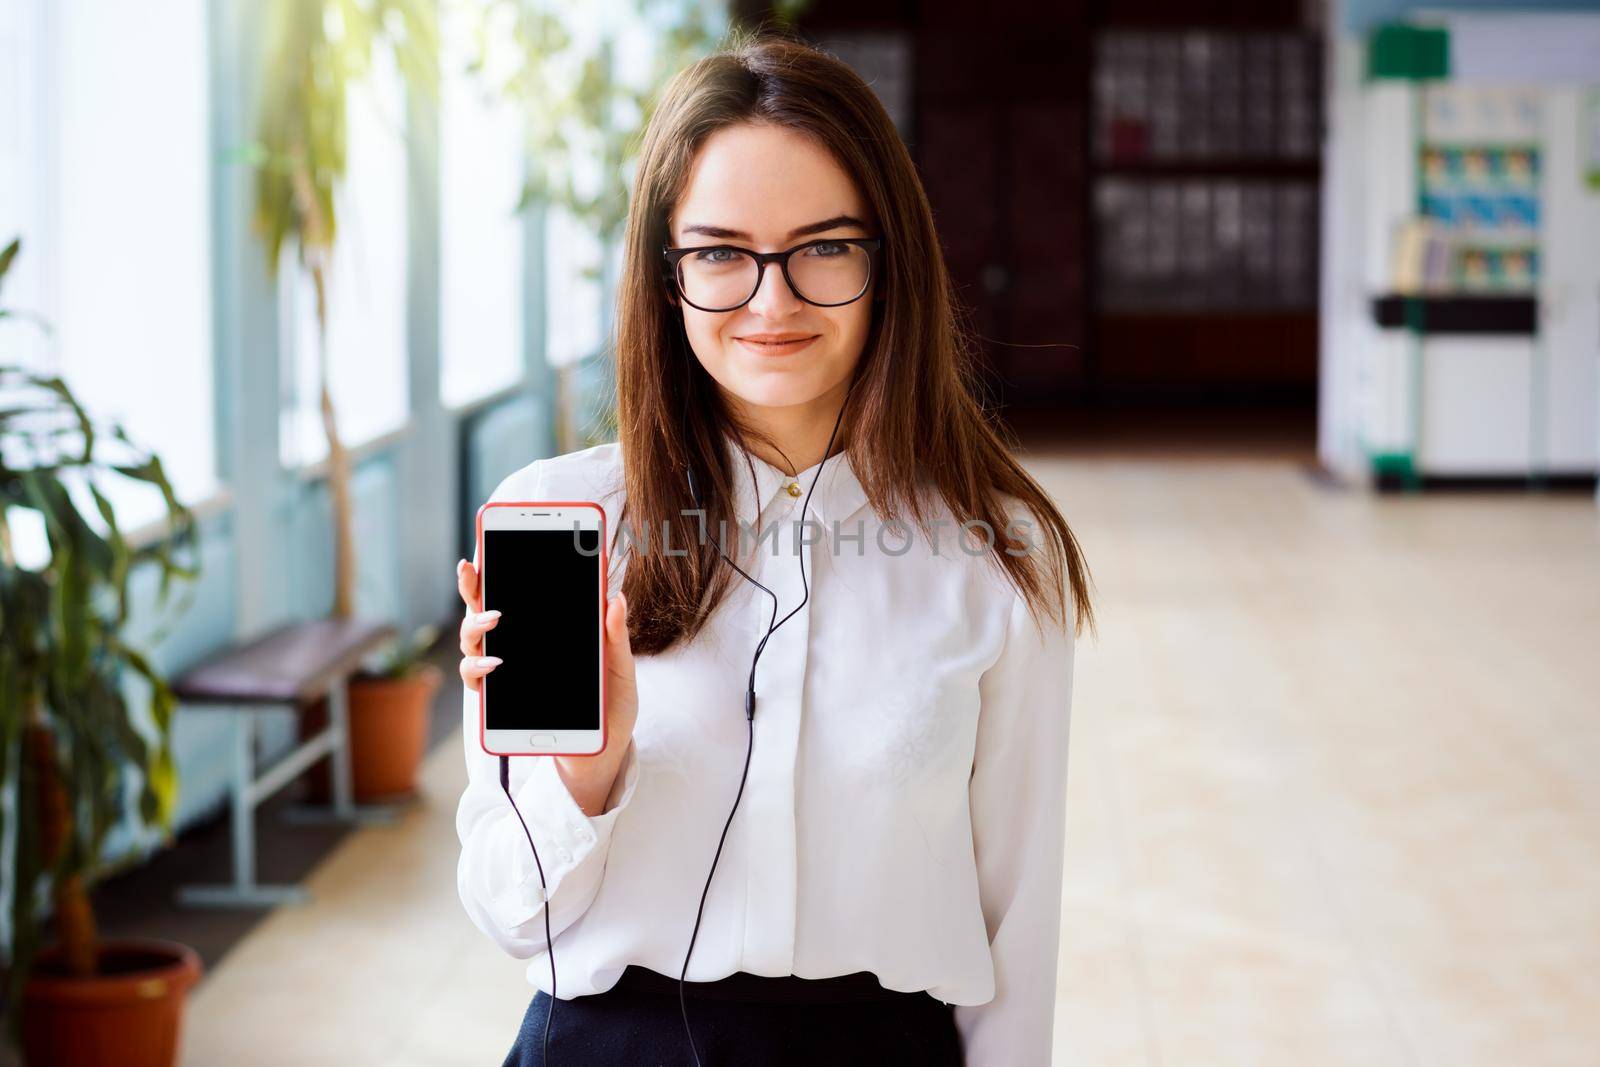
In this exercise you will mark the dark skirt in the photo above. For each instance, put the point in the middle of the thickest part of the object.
(742, 1020)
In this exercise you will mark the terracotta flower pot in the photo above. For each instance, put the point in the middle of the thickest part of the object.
(388, 734)
(128, 1015)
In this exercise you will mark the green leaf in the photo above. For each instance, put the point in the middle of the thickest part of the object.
(120, 554)
(7, 256)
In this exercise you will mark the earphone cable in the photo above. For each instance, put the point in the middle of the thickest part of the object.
(683, 1004)
(549, 942)
(750, 708)
(750, 743)
(772, 626)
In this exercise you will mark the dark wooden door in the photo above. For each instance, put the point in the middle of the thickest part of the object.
(1000, 143)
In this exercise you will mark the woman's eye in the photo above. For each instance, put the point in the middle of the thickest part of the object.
(828, 249)
(708, 256)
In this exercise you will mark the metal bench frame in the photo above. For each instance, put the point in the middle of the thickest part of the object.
(250, 790)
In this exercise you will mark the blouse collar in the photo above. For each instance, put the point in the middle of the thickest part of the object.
(837, 496)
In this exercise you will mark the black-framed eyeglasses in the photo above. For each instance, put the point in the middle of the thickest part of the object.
(828, 272)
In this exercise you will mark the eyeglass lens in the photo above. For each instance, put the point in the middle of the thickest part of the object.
(724, 278)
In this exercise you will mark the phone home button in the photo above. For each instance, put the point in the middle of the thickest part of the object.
(541, 740)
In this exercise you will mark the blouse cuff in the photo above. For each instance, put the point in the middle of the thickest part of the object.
(564, 834)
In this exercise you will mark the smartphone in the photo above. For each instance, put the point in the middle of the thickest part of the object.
(542, 565)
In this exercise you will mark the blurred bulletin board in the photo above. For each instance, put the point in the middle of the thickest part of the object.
(1206, 148)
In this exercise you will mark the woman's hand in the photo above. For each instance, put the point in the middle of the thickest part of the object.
(588, 778)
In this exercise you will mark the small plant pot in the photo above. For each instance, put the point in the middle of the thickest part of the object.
(388, 735)
(128, 1015)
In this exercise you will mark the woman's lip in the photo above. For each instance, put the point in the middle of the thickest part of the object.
(783, 349)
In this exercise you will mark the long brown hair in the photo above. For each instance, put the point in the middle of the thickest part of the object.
(913, 419)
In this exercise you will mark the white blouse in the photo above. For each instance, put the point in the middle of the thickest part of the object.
(905, 805)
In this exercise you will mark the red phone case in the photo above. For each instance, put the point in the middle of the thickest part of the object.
(483, 566)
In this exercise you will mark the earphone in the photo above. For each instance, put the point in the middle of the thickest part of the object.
(750, 715)
(544, 896)
(749, 697)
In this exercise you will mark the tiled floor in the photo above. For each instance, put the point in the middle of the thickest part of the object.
(382, 967)
(1333, 801)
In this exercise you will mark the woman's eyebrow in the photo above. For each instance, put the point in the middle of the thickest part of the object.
(814, 227)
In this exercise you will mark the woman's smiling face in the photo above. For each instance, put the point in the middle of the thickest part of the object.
(766, 188)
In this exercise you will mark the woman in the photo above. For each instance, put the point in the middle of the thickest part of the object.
(863, 864)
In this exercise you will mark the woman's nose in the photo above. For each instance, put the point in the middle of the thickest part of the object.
(774, 299)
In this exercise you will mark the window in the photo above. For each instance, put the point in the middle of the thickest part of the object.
(366, 343)
(480, 179)
(572, 287)
(104, 174)
(573, 294)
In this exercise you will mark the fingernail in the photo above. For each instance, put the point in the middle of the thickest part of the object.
(485, 616)
(489, 661)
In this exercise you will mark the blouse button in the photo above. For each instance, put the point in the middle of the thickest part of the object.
(793, 488)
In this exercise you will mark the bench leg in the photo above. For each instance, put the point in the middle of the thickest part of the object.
(244, 801)
(244, 892)
(344, 808)
(339, 718)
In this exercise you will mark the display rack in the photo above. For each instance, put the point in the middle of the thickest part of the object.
(1206, 151)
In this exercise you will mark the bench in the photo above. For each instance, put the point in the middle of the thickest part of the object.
(291, 666)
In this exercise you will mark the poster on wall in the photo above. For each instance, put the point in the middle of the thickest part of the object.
(1479, 183)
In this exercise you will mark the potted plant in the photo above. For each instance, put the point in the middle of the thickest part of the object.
(69, 738)
(315, 49)
(389, 709)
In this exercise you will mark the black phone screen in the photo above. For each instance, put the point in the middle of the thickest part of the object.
(546, 586)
